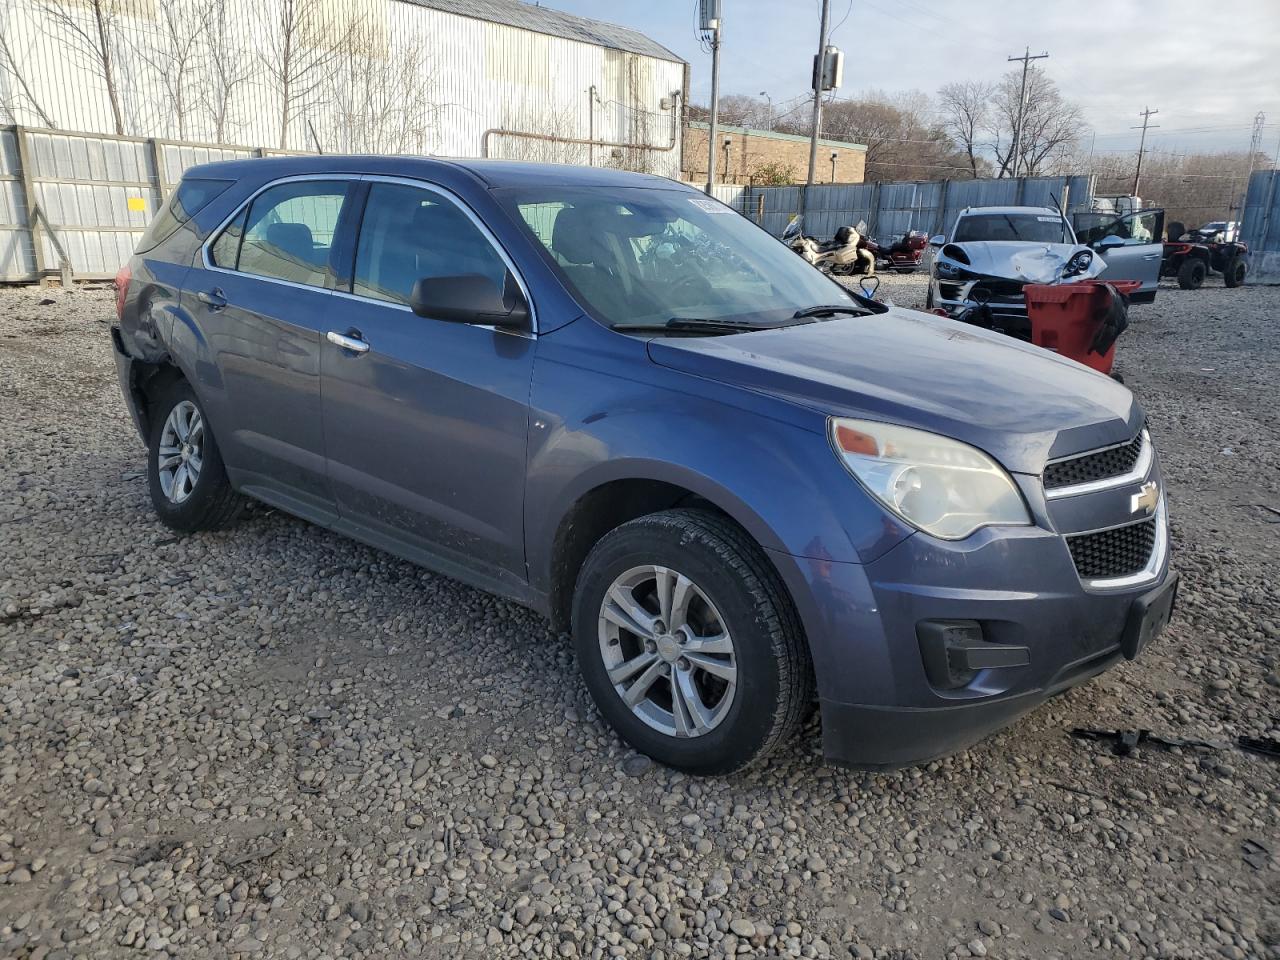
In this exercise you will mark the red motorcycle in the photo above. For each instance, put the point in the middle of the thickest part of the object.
(906, 253)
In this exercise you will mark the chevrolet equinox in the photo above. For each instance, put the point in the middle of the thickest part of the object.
(741, 488)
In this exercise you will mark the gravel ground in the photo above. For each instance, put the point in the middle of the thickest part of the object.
(274, 742)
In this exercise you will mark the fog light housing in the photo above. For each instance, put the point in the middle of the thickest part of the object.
(954, 651)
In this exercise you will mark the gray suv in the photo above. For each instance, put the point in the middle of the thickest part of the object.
(741, 488)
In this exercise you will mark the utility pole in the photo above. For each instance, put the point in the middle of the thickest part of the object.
(817, 105)
(711, 22)
(1146, 115)
(1026, 59)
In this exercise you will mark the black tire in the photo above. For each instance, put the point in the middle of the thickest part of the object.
(1233, 272)
(905, 269)
(1191, 274)
(775, 674)
(928, 298)
(212, 503)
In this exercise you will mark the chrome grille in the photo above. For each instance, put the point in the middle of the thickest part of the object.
(1099, 465)
(1118, 552)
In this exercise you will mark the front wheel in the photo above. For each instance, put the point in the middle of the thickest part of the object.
(688, 643)
(189, 486)
(1233, 272)
(1191, 274)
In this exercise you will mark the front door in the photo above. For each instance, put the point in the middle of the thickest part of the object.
(260, 301)
(1131, 246)
(426, 420)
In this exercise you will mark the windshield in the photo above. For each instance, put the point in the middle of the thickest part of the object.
(644, 256)
(1029, 227)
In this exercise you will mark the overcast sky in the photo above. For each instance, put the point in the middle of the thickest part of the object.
(1207, 66)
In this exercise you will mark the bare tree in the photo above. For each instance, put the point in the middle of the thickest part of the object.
(904, 141)
(14, 99)
(93, 31)
(1051, 124)
(173, 51)
(371, 113)
(229, 66)
(299, 56)
(963, 109)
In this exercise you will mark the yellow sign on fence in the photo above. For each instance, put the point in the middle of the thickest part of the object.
(138, 203)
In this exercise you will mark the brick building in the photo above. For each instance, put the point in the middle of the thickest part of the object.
(742, 153)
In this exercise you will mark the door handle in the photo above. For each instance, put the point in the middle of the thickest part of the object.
(352, 343)
(1152, 256)
(214, 299)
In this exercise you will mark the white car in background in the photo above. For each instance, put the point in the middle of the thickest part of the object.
(993, 252)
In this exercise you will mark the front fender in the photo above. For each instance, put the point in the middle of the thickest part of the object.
(602, 411)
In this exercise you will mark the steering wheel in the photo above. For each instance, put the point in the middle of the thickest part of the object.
(687, 284)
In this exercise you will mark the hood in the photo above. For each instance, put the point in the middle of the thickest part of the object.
(1019, 403)
(1015, 259)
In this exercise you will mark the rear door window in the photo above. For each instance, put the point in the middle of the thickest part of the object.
(288, 233)
(409, 234)
(187, 200)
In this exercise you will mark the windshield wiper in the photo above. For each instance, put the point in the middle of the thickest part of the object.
(692, 325)
(827, 310)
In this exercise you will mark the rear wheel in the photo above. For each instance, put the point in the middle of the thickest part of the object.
(1191, 274)
(1233, 272)
(189, 486)
(688, 643)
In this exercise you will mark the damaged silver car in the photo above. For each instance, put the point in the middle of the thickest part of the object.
(993, 252)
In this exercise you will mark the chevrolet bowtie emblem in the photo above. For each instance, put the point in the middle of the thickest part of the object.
(1145, 499)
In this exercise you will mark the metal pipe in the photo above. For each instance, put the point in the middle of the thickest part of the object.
(552, 138)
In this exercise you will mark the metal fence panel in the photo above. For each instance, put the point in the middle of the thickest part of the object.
(97, 194)
(1261, 227)
(175, 157)
(17, 256)
(908, 206)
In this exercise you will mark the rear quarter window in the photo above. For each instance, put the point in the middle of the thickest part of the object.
(187, 200)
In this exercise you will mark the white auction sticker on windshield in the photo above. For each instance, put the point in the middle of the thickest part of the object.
(710, 206)
(1049, 219)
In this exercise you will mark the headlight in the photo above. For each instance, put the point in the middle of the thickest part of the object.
(941, 486)
(1078, 263)
(946, 269)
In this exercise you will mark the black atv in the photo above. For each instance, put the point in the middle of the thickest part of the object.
(1193, 255)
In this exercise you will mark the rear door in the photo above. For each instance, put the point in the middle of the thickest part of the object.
(260, 293)
(1130, 245)
(426, 421)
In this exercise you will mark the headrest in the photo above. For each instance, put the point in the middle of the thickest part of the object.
(293, 239)
(573, 236)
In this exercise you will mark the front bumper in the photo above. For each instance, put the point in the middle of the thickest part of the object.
(887, 738)
(880, 707)
(1008, 307)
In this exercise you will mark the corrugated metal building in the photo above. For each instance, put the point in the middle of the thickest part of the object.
(448, 77)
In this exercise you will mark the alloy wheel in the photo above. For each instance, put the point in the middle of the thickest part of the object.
(667, 651)
(181, 453)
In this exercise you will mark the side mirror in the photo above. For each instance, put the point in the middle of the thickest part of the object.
(467, 298)
(938, 241)
(1108, 243)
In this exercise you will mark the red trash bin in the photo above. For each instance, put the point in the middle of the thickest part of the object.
(1065, 317)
